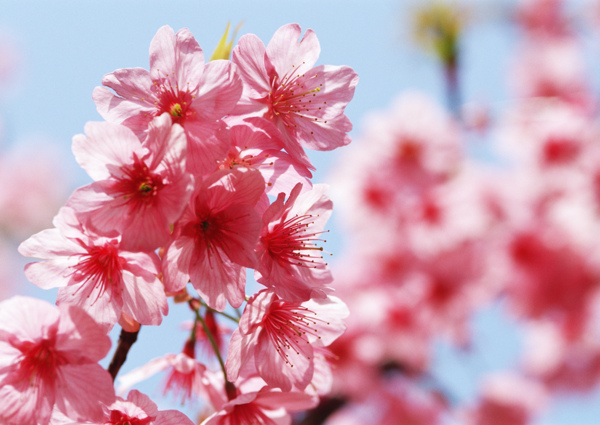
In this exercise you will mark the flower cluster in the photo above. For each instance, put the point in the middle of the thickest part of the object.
(182, 171)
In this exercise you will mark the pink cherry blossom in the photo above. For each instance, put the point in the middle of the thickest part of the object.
(194, 94)
(543, 18)
(28, 203)
(282, 85)
(214, 239)
(49, 359)
(395, 401)
(140, 191)
(279, 337)
(185, 374)
(95, 273)
(550, 137)
(138, 409)
(291, 262)
(551, 278)
(552, 69)
(507, 398)
(561, 361)
(266, 406)
(404, 151)
(256, 143)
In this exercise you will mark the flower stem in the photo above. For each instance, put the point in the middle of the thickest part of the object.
(229, 387)
(212, 342)
(222, 313)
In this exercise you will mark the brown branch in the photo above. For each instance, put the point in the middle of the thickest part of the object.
(126, 340)
(319, 414)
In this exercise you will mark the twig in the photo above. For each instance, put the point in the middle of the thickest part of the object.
(126, 340)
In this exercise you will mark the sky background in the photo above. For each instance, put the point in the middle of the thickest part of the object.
(65, 47)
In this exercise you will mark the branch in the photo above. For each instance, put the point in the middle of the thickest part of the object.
(319, 414)
(126, 340)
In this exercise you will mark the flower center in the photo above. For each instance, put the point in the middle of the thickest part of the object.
(291, 242)
(40, 361)
(289, 325)
(560, 151)
(100, 267)
(138, 185)
(175, 101)
(408, 151)
(119, 418)
(235, 159)
(209, 230)
(177, 110)
(294, 95)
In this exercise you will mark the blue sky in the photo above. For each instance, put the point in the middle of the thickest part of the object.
(67, 46)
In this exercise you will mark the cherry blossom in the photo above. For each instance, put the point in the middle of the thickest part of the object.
(264, 406)
(185, 374)
(282, 85)
(138, 409)
(49, 358)
(214, 239)
(507, 398)
(291, 262)
(194, 94)
(280, 335)
(256, 143)
(140, 191)
(95, 273)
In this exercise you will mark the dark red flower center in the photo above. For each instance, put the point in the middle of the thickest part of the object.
(119, 418)
(289, 325)
(40, 361)
(295, 95)
(138, 184)
(101, 267)
(292, 242)
(559, 150)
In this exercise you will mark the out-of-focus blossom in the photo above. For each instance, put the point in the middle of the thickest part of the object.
(507, 399)
(543, 18)
(396, 401)
(560, 361)
(552, 70)
(37, 189)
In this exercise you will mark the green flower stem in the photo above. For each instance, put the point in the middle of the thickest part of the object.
(230, 389)
(212, 342)
(222, 313)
